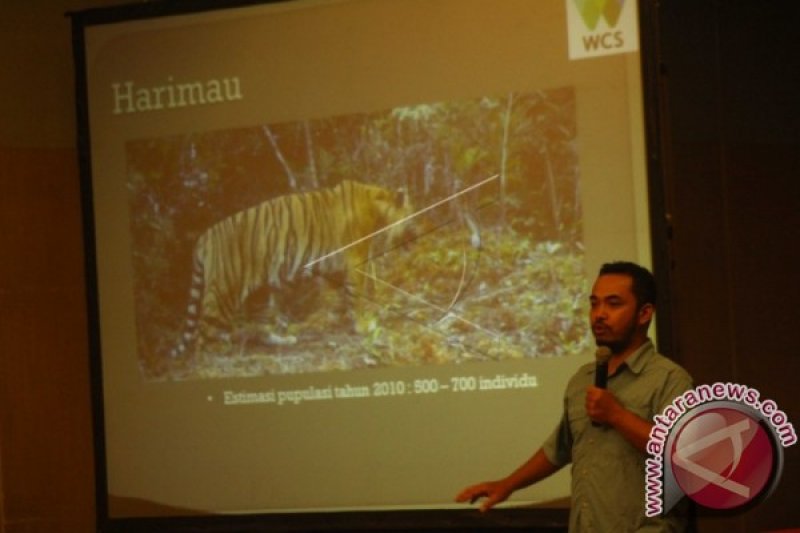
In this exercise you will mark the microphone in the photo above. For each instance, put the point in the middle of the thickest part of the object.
(602, 355)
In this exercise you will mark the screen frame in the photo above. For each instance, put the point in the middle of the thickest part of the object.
(548, 517)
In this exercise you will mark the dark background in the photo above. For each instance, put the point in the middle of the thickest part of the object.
(730, 107)
(724, 149)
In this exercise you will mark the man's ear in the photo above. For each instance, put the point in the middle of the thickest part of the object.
(646, 313)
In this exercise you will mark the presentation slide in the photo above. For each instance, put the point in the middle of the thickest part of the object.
(344, 248)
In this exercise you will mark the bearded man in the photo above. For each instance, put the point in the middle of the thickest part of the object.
(603, 432)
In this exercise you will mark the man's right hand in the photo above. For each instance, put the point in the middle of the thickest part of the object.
(536, 468)
(494, 491)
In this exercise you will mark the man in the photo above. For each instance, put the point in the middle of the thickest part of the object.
(604, 432)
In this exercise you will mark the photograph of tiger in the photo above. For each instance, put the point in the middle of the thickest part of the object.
(325, 232)
(425, 234)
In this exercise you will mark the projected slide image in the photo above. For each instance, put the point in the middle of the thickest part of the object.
(428, 234)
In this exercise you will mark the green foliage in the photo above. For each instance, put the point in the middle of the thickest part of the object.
(524, 281)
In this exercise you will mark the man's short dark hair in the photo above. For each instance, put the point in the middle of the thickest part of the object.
(644, 283)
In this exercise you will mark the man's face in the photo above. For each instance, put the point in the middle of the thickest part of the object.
(615, 317)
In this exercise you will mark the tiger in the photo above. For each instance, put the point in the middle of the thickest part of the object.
(282, 240)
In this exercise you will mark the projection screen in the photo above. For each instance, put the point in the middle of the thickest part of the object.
(340, 251)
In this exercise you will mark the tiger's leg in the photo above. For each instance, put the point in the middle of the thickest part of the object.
(358, 279)
(218, 324)
(268, 321)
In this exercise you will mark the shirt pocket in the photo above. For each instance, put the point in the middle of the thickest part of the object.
(578, 420)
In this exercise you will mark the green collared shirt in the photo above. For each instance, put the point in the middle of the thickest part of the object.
(608, 473)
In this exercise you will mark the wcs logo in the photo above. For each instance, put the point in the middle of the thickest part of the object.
(601, 27)
(592, 10)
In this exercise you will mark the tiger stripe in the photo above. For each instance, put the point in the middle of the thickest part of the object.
(268, 245)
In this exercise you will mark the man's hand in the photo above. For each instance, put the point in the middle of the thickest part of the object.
(494, 491)
(534, 469)
(602, 406)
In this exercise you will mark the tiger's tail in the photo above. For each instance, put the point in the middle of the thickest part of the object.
(190, 327)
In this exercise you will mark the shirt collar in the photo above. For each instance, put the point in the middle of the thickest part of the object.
(636, 361)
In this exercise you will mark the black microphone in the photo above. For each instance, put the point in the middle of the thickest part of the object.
(603, 354)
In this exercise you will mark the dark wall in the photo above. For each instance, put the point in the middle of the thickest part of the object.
(730, 132)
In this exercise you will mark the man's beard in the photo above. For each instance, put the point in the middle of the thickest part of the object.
(620, 345)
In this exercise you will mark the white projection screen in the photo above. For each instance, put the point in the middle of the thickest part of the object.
(340, 251)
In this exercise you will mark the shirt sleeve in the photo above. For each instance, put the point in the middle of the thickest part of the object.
(678, 381)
